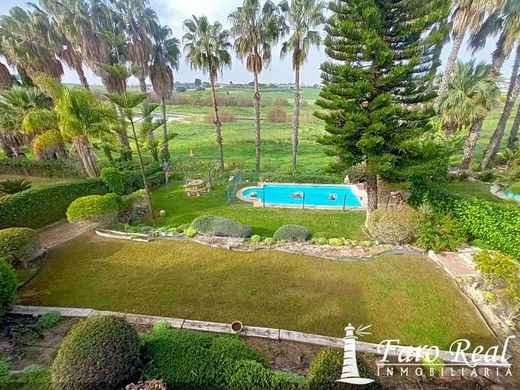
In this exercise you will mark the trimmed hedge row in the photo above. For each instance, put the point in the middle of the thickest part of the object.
(47, 168)
(41, 206)
(495, 224)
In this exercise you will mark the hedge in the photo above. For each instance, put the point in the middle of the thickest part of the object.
(16, 244)
(45, 168)
(98, 353)
(497, 225)
(41, 206)
(102, 209)
(220, 226)
(8, 286)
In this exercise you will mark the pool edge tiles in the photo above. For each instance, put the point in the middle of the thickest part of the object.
(357, 190)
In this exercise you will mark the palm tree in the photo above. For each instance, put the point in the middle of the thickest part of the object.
(139, 20)
(165, 58)
(513, 135)
(302, 17)
(467, 16)
(80, 116)
(512, 93)
(206, 46)
(62, 35)
(256, 28)
(472, 94)
(19, 41)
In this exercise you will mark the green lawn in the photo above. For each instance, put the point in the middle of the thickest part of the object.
(476, 189)
(35, 181)
(182, 209)
(404, 297)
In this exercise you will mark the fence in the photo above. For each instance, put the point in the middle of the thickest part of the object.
(232, 188)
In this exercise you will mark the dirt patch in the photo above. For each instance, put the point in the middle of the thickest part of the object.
(24, 343)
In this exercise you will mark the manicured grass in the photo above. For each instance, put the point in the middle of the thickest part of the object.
(403, 297)
(476, 189)
(182, 209)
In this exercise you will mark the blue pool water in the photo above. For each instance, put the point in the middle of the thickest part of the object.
(304, 195)
(512, 195)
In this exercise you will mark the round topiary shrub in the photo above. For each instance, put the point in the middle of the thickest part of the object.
(8, 284)
(394, 225)
(326, 369)
(98, 353)
(220, 226)
(102, 209)
(291, 233)
(18, 244)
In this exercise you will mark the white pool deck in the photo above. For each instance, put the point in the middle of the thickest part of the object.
(357, 189)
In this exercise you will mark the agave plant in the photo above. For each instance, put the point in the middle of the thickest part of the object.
(12, 186)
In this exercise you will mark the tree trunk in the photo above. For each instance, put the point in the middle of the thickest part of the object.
(126, 151)
(216, 122)
(82, 78)
(513, 136)
(6, 147)
(458, 38)
(141, 166)
(165, 153)
(296, 117)
(499, 56)
(149, 133)
(372, 193)
(256, 104)
(471, 142)
(82, 146)
(512, 94)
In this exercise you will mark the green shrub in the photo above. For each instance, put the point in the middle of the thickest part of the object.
(4, 367)
(291, 233)
(192, 360)
(270, 241)
(190, 232)
(496, 266)
(41, 206)
(441, 232)
(323, 235)
(8, 284)
(43, 168)
(220, 226)
(321, 240)
(8, 187)
(113, 178)
(433, 365)
(326, 369)
(32, 377)
(498, 225)
(49, 320)
(252, 375)
(394, 225)
(98, 353)
(17, 244)
(336, 241)
(255, 238)
(101, 209)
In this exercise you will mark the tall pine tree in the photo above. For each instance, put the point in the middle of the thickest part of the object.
(378, 82)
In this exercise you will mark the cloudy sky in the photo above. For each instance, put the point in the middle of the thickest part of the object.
(174, 12)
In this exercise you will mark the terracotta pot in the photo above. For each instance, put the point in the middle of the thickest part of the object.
(236, 326)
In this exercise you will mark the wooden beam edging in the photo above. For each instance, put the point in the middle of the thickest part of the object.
(218, 327)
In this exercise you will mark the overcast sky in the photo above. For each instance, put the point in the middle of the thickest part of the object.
(174, 12)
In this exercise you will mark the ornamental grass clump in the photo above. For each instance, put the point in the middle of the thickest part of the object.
(219, 226)
(394, 225)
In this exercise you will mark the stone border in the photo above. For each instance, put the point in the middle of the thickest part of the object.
(360, 194)
(497, 191)
(218, 327)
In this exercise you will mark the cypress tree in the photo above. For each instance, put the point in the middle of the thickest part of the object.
(377, 94)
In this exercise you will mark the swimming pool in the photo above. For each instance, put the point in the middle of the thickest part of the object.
(322, 196)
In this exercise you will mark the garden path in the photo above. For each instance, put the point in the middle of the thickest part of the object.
(455, 263)
(61, 232)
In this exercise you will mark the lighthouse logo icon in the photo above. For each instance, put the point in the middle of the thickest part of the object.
(350, 373)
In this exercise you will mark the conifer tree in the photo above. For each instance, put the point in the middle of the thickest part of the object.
(377, 94)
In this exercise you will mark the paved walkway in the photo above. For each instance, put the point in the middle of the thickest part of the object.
(456, 263)
(60, 232)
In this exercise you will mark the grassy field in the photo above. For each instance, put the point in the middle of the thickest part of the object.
(35, 181)
(182, 209)
(403, 297)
